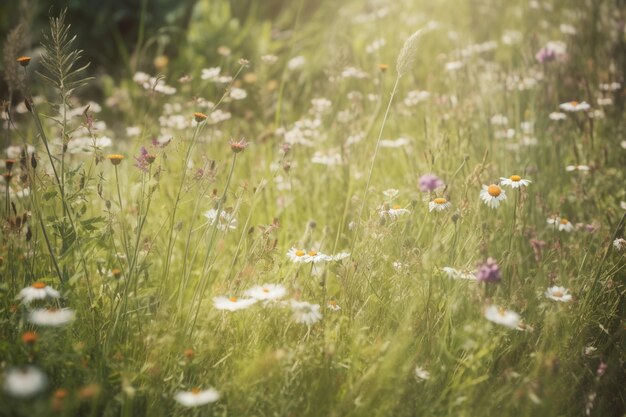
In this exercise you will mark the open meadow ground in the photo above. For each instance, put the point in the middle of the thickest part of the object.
(334, 209)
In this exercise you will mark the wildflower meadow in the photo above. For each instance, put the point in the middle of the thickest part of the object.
(313, 208)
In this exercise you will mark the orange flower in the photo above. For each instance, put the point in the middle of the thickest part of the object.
(24, 61)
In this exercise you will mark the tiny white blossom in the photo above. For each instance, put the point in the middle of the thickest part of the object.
(558, 294)
(574, 106)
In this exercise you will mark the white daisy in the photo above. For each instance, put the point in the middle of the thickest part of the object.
(394, 211)
(561, 224)
(226, 220)
(232, 303)
(267, 292)
(558, 294)
(332, 305)
(571, 168)
(492, 195)
(619, 244)
(499, 315)
(439, 204)
(314, 256)
(51, 317)
(574, 106)
(306, 313)
(24, 382)
(300, 256)
(296, 255)
(37, 291)
(197, 397)
(514, 181)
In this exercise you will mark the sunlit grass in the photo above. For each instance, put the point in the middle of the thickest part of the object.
(342, 174)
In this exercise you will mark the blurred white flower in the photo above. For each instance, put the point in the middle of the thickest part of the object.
(238, 93)
(197, 397)
(51, 317)
(232, 303)
(296, 62)
(499, 315)
(422, 373)
(266, 292)
(560, 223)
(574, 106)
(24, 382)
(306, 313)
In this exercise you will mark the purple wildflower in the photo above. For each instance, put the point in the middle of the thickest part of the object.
(545, 55)
(144, 159)
(430, 182)
(552, 51)
(489, 271)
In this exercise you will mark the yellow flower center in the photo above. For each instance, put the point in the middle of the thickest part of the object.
(564, 221)
(332, 303)
(502, 311)
(515, 178)
(573, 103)
(233, 299)
(396, 207)
(39, 285)
(312, 253)
(557, 294)
(494, 190)
(440, 200)
(266, 290)
(300, 253)
(195, 391)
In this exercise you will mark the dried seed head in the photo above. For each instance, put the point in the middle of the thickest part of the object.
(200, 117)
(8, 163)
(239, 146)
(407, 54)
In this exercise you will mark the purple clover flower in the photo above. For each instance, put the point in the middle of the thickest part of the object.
(545, 54)
(489, 271)
(430, 182)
